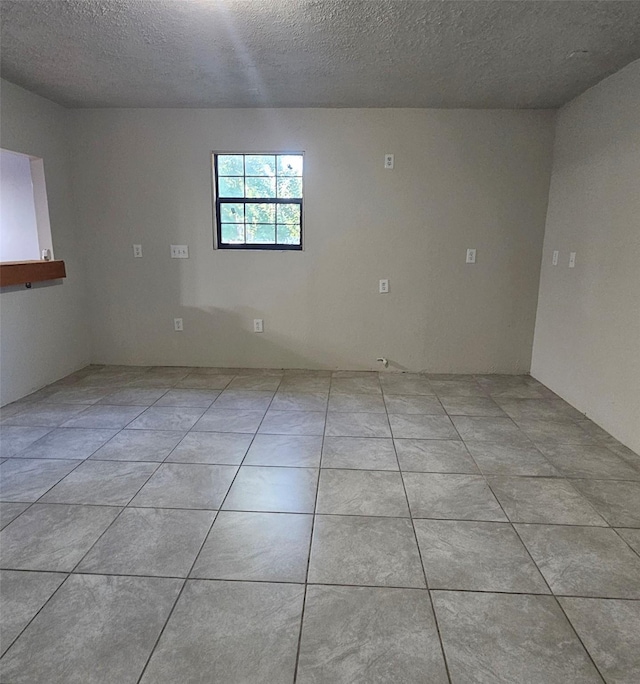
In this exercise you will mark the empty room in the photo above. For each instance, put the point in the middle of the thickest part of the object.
(319, 342)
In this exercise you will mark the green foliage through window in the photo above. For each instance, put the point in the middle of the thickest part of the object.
(258, 200)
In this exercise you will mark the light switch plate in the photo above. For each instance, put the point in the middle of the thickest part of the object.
(179, 251)
(556, 254)
(137, 251)
(177, 325)
(572, 259)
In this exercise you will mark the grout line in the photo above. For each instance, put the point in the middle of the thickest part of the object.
(424, 572)
(195, 560)
(313, 523)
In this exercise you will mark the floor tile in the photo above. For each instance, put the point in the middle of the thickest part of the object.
(293, 423)
(28, 479)
(133, 396)
(304, 383)
(139, 445)
(10, 511)
(543, 500)
(548, 432)
(632, 537)
(457, 388)
(496, 430)
(610, 630)
(586, 461)
(357, 385)
(279, 490)
(106, 483)
(244, 399)
(583, 561)
(405, 384)
(617, 502)
(256, 546)
(413, 404)
(181, 485)
(188, 398)
(476, 556)
(289, 400)
(229, 420)
(508, 638)
(471, 406)
(211, 447)
(365, 551)
(533, 409)
(13, 440)
(149, 541)
(364, 453)
(114, 417)
(22, 594)
(369, 634)
(68, 443)
(361, 492)
(509, 459)
(250, 618)
(454, 497)
(53, 536)
(95, 630)
(208, 382)
(434, 456)
(422, 427)
(285, 450)
(167, 418)
(77, 395)
(46, 415)
(357, 425)
(357, 403)
(255, 382)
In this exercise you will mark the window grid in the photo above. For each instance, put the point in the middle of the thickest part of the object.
(246, 201)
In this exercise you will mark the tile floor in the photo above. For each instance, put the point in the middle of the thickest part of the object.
(170, 525)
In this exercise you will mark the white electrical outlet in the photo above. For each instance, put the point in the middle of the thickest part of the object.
(137, 251)
(383, 286)
(388, 161)
(572, 259)
(179, 251)
(554, 260)
(177, 325)
(258, 325)
(471, 256)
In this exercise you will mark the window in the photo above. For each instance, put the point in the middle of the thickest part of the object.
(258, 200)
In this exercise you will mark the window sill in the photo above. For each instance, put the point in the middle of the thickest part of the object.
(23, 272)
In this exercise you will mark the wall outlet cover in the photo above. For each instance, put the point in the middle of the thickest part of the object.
(471, 256)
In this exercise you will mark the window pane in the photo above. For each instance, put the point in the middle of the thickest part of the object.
(232, 233)
(290, 164)
(230, 187)
(230, 165)
(231, 213)
(288, 235)
(288, 213)
(260, 187)
(290, 187)
(260, 165)
(261, 213)
(261, 234)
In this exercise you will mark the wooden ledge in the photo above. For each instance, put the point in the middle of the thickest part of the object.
(23, 272)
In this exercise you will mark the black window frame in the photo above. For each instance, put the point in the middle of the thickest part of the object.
(255, 200)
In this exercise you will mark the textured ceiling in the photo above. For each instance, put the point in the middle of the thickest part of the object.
(315, 53)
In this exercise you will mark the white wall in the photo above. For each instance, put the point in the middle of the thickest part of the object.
(587, 337)
(462, 179)
(43, 331)
(18, 227)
